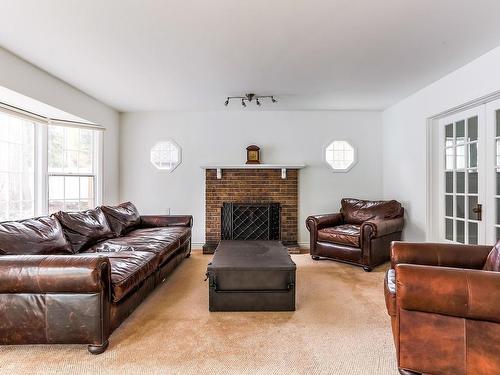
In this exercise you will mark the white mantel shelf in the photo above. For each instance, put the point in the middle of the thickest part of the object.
(283, 167)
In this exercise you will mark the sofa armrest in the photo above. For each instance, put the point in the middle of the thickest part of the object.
(439, 254)
(314, 223)
(383, 227)
(151, 221)
(465, 293)
(54, 273)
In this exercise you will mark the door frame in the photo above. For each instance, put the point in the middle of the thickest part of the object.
(432, 156)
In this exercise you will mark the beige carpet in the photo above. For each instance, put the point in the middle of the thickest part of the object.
(340, 327)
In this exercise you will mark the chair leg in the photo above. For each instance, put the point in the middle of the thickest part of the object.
(315, 257)
(367, 268)
(98, 349)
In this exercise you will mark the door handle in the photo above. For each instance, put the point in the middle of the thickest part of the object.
(478, 210)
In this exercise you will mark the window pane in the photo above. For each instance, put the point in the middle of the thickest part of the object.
(449, 182)
(16, 168)
(460, 129)
(449, 205)
(473, 233)
(70, 150)
(472, 162)
(460, 206)
(460, 157)
(449, 229)
(449, 158)
(449, 135)
(472, 206)
(473, 182)
(460, 231)
(472, 128)
(460, 182)
(71, 193)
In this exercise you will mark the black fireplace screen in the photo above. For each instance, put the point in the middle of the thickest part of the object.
(250, 221)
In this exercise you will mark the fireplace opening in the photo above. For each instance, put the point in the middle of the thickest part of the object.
(250, 221)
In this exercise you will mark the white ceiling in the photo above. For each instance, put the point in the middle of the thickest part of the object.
(190, 54)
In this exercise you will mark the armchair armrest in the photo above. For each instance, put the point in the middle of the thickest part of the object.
(151, 221)
(314, 223)
(54, 273)
(465, 293)
(439, 254)
(382, 227)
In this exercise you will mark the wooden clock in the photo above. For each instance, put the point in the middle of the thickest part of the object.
(253, 154)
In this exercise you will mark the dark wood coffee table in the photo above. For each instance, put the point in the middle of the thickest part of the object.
(251, 276)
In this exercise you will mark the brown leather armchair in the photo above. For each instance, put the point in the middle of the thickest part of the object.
(360, 234)
(444, 304)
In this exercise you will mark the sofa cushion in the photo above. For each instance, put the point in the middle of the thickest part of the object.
(38, 236)
(493, 260)
(356, 211)
(347, 234)
(83, 229)
(128, 270)
(161, 241)
(122, 218)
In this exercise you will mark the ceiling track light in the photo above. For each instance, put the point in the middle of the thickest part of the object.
(249, 98)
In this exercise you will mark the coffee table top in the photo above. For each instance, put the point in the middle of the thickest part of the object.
(247, 255)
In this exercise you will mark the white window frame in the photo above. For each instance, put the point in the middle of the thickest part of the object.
(97, 166)
(355, 156)
(41, 175)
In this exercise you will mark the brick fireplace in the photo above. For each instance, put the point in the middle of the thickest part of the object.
(249, 185)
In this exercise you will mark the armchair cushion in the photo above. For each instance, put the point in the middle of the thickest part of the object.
(493, 260)
(357, 211)
(122, 218)
(465, 293)
(38, 236)
(347, 234)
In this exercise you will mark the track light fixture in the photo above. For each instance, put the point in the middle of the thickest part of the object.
(249, 98)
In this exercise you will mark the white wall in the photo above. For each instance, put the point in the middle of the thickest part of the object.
(24, 78)
(221, 137)
(405, 139)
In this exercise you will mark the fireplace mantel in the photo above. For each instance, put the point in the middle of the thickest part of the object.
(283, 167)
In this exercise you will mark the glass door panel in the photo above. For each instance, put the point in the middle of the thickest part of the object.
(460, 178)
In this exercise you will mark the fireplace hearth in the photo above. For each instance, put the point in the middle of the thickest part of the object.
(250, 221)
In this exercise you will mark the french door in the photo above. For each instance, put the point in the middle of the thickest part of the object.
(469, 175)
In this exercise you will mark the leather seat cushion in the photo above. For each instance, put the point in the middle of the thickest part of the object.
(39, 236)
(128, 270)
(347, 234)
(390, 292)
(493, 260)
(122, 218)
(162, 241)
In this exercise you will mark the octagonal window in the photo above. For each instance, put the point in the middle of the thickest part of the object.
(166, 155)
(340, 156)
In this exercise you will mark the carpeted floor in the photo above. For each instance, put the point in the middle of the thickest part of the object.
(340, 327)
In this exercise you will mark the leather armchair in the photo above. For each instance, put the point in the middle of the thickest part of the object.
(443, 300)
(360, 234)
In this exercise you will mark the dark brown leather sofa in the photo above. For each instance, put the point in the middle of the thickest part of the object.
(73, 278)
(360, 234)
(444, 304)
